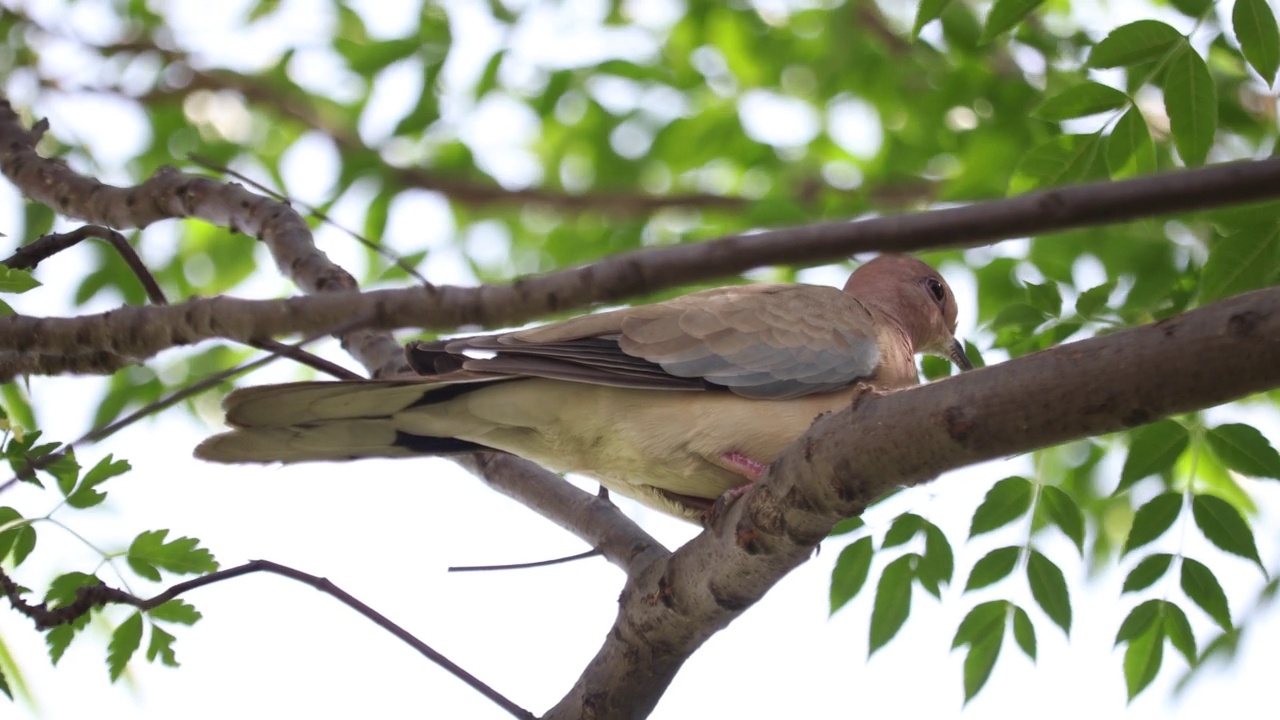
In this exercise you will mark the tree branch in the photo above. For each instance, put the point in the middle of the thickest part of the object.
(142, 332)
(171, 194)
(32, 254)
(93, 596)
(1192, 361)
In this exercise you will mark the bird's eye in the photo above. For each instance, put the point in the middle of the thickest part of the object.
(935, 289)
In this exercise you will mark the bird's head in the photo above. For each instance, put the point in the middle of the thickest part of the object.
(915, 295)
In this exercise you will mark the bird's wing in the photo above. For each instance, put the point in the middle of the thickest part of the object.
(759, 341)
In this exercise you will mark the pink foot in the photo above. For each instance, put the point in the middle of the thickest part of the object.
(742, 465)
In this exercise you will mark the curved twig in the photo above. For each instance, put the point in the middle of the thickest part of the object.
(93, 596)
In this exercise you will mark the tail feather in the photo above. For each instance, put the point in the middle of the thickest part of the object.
(309, 402)
(338, 440)
(306, 421)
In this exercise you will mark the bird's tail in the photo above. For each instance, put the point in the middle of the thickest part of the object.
(299, 422)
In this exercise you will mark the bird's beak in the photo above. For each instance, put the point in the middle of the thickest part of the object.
(956, 354)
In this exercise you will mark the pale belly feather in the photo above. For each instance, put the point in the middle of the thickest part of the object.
(634, 442)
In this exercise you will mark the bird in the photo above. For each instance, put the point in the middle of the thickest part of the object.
(675, 404)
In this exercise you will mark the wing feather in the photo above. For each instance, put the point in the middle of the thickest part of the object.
(759, 341)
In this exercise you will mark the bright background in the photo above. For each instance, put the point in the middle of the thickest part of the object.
(386, 531)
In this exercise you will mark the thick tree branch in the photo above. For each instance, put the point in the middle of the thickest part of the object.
(1202, 358)
(142, 332)
(32, 254)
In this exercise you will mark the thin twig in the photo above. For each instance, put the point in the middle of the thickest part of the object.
(387, 253)
(522, 566)
(42, 248)
(92, 596)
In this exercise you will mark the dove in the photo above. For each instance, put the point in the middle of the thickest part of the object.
(674, 404)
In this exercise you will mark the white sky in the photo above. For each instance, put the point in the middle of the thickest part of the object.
(385, 531)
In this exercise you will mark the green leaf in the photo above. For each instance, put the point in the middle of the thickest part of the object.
(12, 519)
(1138, 621)
(938, 563)
(1134, 43)
(124, 643)
(1255, 27)
(1130, 150)
(366, 58)
(904, 527)
(59, 638)
(1200, 584)
(1191, 101)
(979, 662)
(161, 646)
(1153, 519)
(1094, 299)
(1022, 316)
(1192, 8)
(86, 494)
(1151, 569)
(1004, 15)
(16, 281)
(981, 623)
(1245, 450)
(847, 526)
(23, 543)
(65, 470)
(1142, 659)
(1061, 161)
(176, 611)
(1178, 630)
(1087, 98)
(850, 572)
(993, 567)
(935, 368)
(1045, 297)
(929, 11)
(1223, 525)
(1005, 502)
(892, 603)
(983, 631)
(64, 588)
(1152, 451)
(1024, 632)
(4, 685)
(1058, 508)
(1239, 262)
(183, 556)
(1049, 588)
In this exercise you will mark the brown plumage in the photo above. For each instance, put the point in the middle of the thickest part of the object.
(672, 404)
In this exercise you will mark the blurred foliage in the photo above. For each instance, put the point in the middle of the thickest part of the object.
(685, 121)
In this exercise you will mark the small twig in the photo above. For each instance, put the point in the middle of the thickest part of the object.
(522, 566)
(42, 248)
(93, 596)
(388, 254)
